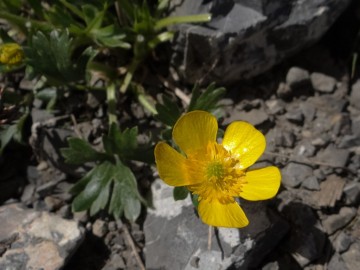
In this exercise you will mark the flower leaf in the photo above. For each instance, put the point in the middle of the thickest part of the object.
(206, 101)
(80, 151)
(180, 193)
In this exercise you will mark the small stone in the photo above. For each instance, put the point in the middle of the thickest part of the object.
(116, 262)
(319, 174)
(47, 188)
(337, 263)
(323, 83)
(284, 138)
(297, 77)
(335, 222)
(352, 256)
(352, 193)
(355, 125)
(342, 242)
(284, 91)
(308, 110)
(320, 141)
(295, 116)
(32, 174)
(65, 211)
(349, 141)
(112, 226)
(334, 156)
(311, 183)
(305, 149)
(81, 216)
(99, 228)
(271, 266)
(255, 116)
(355, 95)
(330, 192)
(52, 203)
(27, 196)
(294, 174)
(275, 106)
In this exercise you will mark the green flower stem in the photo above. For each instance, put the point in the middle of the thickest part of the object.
(182, 19)
(147, 105)
(21, 22)
(111, 100)
(129, 75)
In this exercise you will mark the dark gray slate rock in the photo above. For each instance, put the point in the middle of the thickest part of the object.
(297, 77)
(306, 240)
(337, 263)
(36, 240)
(342, 242)
(334, 156)
(323, 83)
(352, 193)
(311, 183)
(246, 38)
(335, 222)
(294, 174)
(175, 238)
(352, 256)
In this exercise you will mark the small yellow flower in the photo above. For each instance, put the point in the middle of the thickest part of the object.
(217, 172)
(11, 54)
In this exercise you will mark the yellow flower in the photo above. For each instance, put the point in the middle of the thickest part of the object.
(217, 172)
(11, 54)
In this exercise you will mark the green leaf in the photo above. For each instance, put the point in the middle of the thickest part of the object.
(120, 143)
(180, 193)
(6, 134)
(169, 112)
(99, 178)
(125, 196)
(80, 151)
(206, 101)
(101, 201)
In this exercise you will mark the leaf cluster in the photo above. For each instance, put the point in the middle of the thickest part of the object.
(110, 184)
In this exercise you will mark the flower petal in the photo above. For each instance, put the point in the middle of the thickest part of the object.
(217, 214)
(194, 130)
(261, 184)
(244, 141)
(170, 165)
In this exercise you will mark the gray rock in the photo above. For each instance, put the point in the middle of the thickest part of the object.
(355, 95)
(349, 141)
(52, 203)
(311, 183)
(342, 242)
(275, 106)
(246, 38)
(355, 125)
(99, 228)
(177, 239)
(335, 222)
(295, 116)
(36, 240)
(255, 117)
(323, 83)
(284, 91)
(352, 256)
(115, 262)
(174, 234)
(27, 196)
(308, 110)
(294, 174)
(297, 77)
(334, 156)
(337, 263)
(284, 138)
(271, 266)
(352, 193)
(305, 149)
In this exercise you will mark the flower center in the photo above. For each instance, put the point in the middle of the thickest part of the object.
(215, 170)
(222, 180)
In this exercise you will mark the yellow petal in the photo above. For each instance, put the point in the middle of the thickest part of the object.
(194, 130)
(261, 184)
(217, 214)
(170, 165)
(244, 141)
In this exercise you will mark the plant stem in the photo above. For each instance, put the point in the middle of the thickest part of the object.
(182, 19)
(129, 75)
(111, 100)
